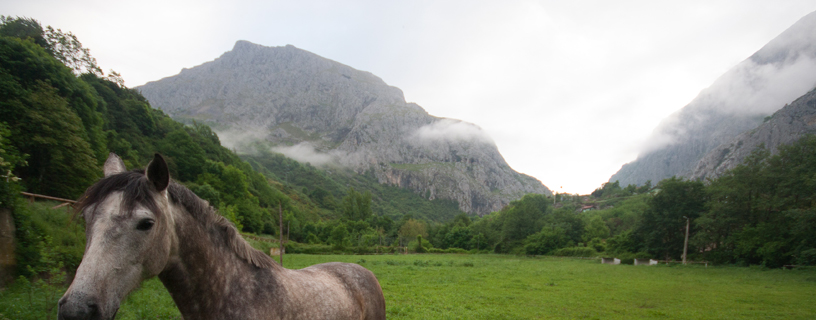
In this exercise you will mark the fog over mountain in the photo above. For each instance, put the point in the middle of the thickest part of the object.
(785, 127)
(325, 113)
(781, 71)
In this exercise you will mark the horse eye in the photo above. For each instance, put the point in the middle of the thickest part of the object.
(145, 224)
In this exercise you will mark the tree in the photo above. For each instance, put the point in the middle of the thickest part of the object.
(10, 158)
(338, 236)
(412, 228)
(23, 28)
(663, 226)
(68, 50)
(61, 162)
(457, 237)
(595, 228)
(524, 217)
(183, 155)
(548, 239)
(357, 206)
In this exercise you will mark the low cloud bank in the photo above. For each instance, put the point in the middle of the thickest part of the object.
(240, 140)
(452, 130)
(305, 152)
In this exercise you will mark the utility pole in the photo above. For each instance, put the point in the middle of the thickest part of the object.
(280, 223)
(685, 245)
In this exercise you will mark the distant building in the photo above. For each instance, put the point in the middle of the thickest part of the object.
(588, 207)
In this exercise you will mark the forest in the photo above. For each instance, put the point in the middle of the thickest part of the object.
(60, 116)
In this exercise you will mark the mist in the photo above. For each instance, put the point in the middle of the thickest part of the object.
(240, 140)
(451, 130)
(774, 76)
(305, 152)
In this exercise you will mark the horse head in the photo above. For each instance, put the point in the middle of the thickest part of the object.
(130, 238)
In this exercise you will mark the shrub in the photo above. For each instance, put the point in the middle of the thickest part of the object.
(597, 244)
(575, 252)
(626, 257)
(807, 257)
(36, 222)
(549, 239)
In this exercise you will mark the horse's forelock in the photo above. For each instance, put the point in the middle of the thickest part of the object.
(135, 188)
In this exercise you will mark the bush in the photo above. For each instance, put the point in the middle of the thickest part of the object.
(294, 247)
(597, 244)
(807, 257)
(575, 252)
(36, 222)
(626, 257)
(448, 250)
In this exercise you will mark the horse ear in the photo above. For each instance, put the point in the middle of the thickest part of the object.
(113, 165)
(158, 173)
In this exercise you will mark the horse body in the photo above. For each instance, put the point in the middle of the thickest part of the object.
(209, 270)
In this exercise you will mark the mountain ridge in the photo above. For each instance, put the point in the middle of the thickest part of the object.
(739, 100)
(320, 111)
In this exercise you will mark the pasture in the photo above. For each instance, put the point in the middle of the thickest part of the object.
(509, 287)
(428, 286)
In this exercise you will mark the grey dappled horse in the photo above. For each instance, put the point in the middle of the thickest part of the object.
(141, 224)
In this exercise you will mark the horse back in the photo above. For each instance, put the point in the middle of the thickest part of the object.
(360, 284)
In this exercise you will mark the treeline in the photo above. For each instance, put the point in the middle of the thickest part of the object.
(763, 212)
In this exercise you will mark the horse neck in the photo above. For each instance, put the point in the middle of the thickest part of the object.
(205, 276)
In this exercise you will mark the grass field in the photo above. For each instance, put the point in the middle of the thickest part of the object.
(509, 287)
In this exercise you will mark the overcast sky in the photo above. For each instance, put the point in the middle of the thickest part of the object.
(569, 90)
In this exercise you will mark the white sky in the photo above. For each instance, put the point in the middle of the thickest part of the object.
(569, 90)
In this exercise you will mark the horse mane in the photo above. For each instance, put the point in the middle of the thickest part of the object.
(136, 189)
(202, 211)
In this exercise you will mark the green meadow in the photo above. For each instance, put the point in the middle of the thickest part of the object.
(428, 286)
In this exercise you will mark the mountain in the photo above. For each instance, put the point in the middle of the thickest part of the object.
(319, 111)
(738, 101)
(785, 127)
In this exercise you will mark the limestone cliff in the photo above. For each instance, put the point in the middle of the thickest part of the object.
(320, 111)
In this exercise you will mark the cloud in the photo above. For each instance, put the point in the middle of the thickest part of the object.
(240, 140)
(305, 152)
(452, 130)
(748, 89)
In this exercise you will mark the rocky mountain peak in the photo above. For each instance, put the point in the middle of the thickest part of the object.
(323, 112)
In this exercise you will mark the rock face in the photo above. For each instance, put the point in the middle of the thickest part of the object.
(317, 110)
(781, 71)
(785, 126)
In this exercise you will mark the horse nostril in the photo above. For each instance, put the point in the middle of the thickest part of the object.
(93, 309)
(75, 309)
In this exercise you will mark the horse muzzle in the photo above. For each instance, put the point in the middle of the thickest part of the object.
(82, 307)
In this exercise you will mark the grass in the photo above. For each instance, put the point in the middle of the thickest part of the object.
(433, 286)
(509, 287)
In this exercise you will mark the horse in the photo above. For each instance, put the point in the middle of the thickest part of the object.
(141, 224)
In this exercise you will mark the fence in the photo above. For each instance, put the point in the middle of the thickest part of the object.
(32, 196)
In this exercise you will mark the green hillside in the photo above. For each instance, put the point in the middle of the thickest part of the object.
(58, 124)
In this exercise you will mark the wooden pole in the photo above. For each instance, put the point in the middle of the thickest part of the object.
(280, 224)
(685, 245)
